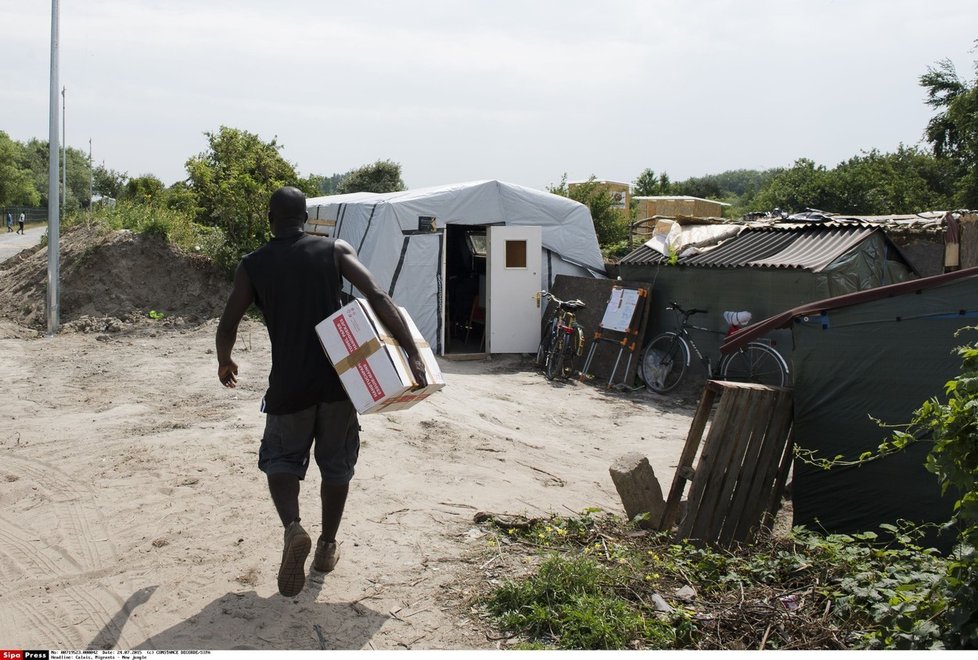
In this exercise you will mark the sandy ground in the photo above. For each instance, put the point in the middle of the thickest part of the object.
(132, 513)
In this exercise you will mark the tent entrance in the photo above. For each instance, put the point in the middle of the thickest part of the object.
(465, 289)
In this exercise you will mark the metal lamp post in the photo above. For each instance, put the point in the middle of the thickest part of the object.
(54, 218)
(64, 151)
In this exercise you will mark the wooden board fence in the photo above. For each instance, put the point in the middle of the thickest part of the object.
(737, 485)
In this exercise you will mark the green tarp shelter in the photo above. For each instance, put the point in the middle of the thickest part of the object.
(764, 270)
(873, 354)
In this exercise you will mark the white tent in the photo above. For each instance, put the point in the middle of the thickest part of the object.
(427, 248)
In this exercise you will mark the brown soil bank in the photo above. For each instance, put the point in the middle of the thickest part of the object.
(109, 277)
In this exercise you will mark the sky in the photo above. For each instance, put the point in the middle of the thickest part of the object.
(520, 91)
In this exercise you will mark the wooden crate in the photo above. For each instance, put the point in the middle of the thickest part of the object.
(737, 485)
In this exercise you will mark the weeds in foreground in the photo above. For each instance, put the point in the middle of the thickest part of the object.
(602, 584)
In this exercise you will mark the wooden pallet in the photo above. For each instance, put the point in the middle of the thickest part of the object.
(737, 485)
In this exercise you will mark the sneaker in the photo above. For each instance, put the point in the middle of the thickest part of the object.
(292, 572)
(327, 554)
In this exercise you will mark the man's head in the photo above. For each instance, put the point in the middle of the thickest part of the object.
(287, 209)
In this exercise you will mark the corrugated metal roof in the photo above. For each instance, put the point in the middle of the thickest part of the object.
(642, 256)
(814, 250)
(805, 247)
(742, 250)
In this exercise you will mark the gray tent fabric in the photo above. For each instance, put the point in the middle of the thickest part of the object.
(402, 252)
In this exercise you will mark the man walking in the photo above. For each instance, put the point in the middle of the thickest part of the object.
(10, 222)
(20, 221)
(295, 280)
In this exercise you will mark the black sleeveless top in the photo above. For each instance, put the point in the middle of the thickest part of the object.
(297, 284)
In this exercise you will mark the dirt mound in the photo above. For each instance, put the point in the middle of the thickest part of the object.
(110, 279)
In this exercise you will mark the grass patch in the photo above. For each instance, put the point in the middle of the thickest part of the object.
(573, 603)
(174, 226)
(597, 582)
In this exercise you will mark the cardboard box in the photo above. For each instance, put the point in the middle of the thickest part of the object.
(372, 366)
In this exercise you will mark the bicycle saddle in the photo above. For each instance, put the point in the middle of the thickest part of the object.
(573, 305)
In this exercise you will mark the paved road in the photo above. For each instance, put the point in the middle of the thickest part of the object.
(11, 242)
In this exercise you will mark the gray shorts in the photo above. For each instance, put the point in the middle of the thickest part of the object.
(288, 439)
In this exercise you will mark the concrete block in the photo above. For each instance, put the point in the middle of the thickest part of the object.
(638, 488)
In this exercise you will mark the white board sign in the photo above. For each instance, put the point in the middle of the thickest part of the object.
(621, 308)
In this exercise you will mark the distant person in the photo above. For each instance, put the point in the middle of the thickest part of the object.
(10, 222)
(20, 221)
(295, 280)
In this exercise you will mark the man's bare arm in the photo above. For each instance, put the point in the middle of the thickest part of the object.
(238, 302)
(353, 270)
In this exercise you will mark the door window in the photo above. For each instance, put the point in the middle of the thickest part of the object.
(515, 254)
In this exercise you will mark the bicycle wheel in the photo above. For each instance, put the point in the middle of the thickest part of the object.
(555, 357)
(755, 363)
(664, 362)
(578, 342)
(545, 342)
(573, 348)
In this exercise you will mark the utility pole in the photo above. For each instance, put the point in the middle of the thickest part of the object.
(91, 177)
(54, 217)
(64, 153)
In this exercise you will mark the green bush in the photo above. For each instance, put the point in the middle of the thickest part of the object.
(952, 425)
(174, 226)
(615, 251)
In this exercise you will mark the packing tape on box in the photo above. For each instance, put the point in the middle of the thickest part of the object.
(390, 341)
(371, 346)
(404, 398)
(420, 343)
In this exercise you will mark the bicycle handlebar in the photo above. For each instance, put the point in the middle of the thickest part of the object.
(572, 305)
(687, 313)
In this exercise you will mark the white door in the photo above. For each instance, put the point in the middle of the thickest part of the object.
(512, 314)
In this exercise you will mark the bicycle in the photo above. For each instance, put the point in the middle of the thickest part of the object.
(563, 338)
(666, 358)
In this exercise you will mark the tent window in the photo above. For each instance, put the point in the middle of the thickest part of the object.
(515, 254)
(477, 244)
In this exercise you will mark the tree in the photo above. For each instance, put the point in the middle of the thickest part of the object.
(34, 158)
(146, 189)
(232, 182)
(648, 184)
(108, 183)
(705, 187)
(873, 183)
(380, 177)
(560, 188)
(79, 178)
(953, 131)
(319, 184)
(906, 181)
(802, 186)
(610, 224)
(16, 183)
(735, 187)
(179, 197)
